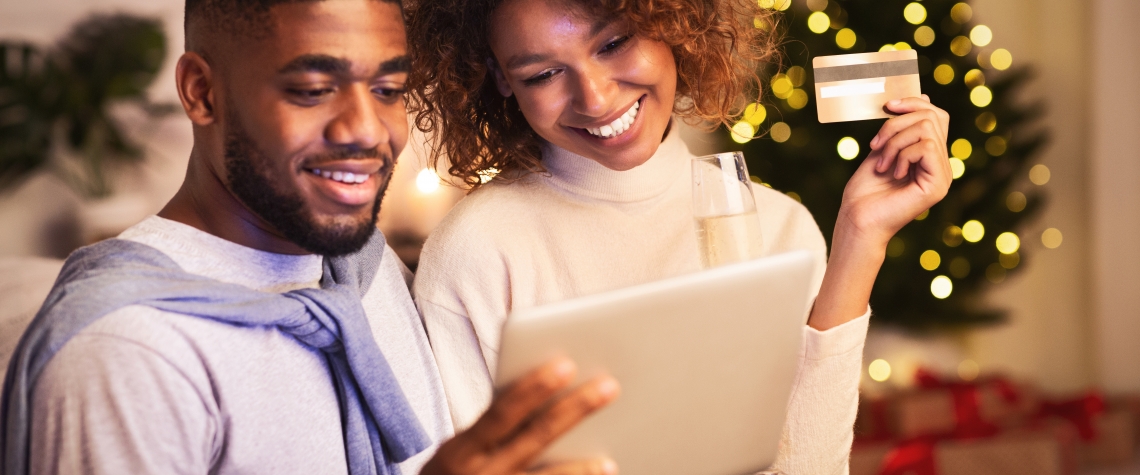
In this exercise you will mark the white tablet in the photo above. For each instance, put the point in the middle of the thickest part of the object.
(705, 362)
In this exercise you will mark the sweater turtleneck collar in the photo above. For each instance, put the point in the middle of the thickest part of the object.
(587, 177)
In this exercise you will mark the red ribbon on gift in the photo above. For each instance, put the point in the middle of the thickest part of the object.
(967, 409)
(912, 457)
(1082, 412)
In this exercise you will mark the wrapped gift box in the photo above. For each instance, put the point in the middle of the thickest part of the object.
(1115, 440)
(936, 411)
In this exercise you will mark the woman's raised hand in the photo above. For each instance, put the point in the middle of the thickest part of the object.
(907, 172)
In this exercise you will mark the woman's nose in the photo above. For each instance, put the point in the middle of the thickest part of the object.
(594, 94)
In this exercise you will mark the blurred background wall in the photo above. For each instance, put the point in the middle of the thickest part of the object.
(1075, 310)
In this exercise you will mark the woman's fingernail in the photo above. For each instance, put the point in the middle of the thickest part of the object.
(875, 141)
(894, 102)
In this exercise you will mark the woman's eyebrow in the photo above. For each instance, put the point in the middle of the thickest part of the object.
(600, 25)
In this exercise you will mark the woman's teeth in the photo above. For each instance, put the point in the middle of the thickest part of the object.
(343, 177)
(617, 127)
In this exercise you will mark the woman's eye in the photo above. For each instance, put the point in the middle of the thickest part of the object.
(615, 44)
(539, 78)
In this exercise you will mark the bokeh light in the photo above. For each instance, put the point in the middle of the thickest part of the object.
(941, 287)
(848, 148)
(944, 74)
(1039, 174)
(974, 78)
(1001, 59)
(879, 370)
(427, 181)
(981, 96)
(887, 48)
(924, 35)
(961, 46)
(968, 370)
(986, 122)
(1015, 201)
(930, 260)
(1008, 243)
(845, 38)
(961, 13)
(902, 46)
(995, 273)
(797, 75)
(779, 5)
(923, 215)
(782, 86)
(981, 35)
(952, 236)
(973, 231)
(755, 114)
(961, 148)
(1009, 261)
(1052, 238)
(915, 13)
(742, 132)
(995, 146)
(780, 132)
(960, 267)
(896, 246)
(797, 99)
(957, 167)
(818, 22)
(817, 5)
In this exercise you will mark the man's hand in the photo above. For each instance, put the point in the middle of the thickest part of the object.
(522, 422)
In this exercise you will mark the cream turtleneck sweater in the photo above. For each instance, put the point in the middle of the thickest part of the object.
(584, 229)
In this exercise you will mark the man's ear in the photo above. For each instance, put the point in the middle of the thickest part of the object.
(500, 79)
(195, 83)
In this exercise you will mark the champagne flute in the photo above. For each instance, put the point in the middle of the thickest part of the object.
(724, 210)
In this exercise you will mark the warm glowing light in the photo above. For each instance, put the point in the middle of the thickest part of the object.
(957, 167)
(941, 287)
(973, 231)
(944, 74)
(1015, 201)
(782, 86)
(961, 45)
(818, 22)
(961, 148)
(924, 35)
(995, 273)
(981, 96)
(797, 75)
(968, 370)
(780, 132)
(742, 132)
(995, 146)
(795, 196)
(961, 13)
(896, 246)
(780, 5)
(902, 46)
(921, 216)
(1008, 243)
(1001, 59)
(930, 260)
(974, 78)
(986, 122)
(952, 236)
(887, 48)
(915, 13)
(848, 148)
(1039, 174)
(427, 181)
(1009, 261)
(760, 23)
(755, 114)
(1052, 238)
(981, 35)
(879, 370)
(817, 5)
(845, 38)
(487, 175)
(798, 99)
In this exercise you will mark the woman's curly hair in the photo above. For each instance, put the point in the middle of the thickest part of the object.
(717, 44)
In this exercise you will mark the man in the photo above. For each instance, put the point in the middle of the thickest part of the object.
(218, 337)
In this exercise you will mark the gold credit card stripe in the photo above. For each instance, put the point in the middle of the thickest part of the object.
(866, 71)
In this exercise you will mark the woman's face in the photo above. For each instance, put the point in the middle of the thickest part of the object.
(590, 86)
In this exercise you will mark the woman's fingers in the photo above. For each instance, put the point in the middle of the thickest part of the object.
(904, 138)
(563, 415)
(603, 466)
(924, 155)
(914, 109)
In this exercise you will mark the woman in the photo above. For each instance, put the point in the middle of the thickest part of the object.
(573, 104)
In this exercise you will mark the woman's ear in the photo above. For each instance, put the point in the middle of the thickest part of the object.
(195, 83)
(500, 79)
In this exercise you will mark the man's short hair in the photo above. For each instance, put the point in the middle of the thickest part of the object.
(245, 18)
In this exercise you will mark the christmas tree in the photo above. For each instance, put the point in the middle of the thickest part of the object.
(938, 265)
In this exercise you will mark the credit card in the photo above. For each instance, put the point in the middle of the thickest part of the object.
(857, 86)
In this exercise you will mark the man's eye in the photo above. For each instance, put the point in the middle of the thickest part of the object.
(389, 92)
(310, 94)
(539, 78)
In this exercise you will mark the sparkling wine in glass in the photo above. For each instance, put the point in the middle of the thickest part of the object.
(728, 229)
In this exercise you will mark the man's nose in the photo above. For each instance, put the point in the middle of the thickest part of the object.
(357, 123)
(594, 94)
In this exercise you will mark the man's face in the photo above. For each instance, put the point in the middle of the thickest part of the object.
(313, 118)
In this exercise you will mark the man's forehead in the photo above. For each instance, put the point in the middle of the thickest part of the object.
(341, 36)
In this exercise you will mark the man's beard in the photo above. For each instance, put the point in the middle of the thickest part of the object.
(249, 179)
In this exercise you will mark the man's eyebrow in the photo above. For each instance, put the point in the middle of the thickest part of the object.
(317, 63)
(399, 64)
